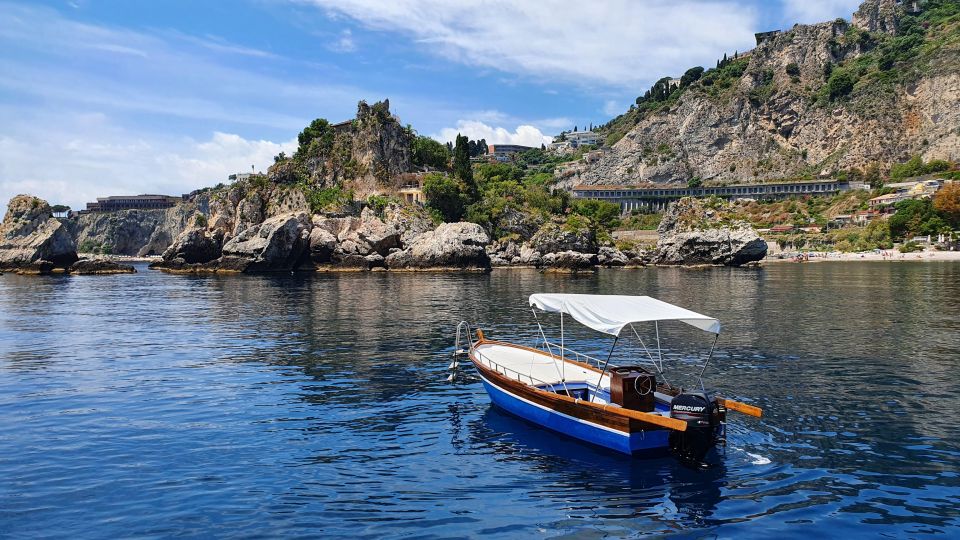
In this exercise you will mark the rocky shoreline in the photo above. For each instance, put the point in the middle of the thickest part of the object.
(33, 242)
(245, 233)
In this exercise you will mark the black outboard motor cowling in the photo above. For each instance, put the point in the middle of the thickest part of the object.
(703, 417)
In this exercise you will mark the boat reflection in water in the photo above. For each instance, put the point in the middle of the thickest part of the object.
(614, 485)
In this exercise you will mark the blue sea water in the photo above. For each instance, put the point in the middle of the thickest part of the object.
(155, 405)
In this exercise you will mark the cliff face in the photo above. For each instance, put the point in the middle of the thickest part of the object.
(366, 154)
(810, 101)
(130, 232)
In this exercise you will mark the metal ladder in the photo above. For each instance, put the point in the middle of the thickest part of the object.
(463, 332)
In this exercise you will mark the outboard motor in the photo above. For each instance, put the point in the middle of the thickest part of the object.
(704, 419)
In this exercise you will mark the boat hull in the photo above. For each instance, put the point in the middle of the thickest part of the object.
(645, 442)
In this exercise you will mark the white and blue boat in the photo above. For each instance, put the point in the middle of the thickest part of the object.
(629, 408)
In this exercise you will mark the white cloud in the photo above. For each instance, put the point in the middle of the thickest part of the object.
(89, 157)
(815, 11)
(621, 42)
(344, 43)
(525, 135)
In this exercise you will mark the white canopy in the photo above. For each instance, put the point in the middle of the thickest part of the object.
(609, 313)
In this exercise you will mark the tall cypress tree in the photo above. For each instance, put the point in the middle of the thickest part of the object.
(461, 165)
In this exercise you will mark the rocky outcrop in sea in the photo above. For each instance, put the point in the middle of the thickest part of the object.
(401, 238)
(706, 232)
(32, 241)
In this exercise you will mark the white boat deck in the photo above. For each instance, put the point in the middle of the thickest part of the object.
(535, 368)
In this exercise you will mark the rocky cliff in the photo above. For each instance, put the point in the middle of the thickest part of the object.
(130, 232)
(32, 241)
(813, 100)
(706, 232)
(366, 155)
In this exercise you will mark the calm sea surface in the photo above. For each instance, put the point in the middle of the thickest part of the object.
(153, 405)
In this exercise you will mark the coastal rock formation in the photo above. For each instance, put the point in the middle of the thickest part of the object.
(459, 246)
(556, 236)
(130, 232)
(195, 246)
(347, 241)
(85, 267)
(569, 262)
(278, 243)
(813, 100)
(366, 154)
(610, 256)
(31, 239)
(693, 234)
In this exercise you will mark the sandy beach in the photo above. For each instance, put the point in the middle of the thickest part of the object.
(887, 255)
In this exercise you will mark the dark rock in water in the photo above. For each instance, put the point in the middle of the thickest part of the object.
(279, 243)
(99, 266)
(196, 245)
(556, 237)
(322, 245)
(29, 234)
(569, 261)
(611, 256)
(692, 234)
(451, 246)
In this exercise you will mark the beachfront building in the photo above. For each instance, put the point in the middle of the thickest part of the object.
(658, 197)
(411, 190)
(923, 188)
(503, 152)
(132, 202)
(569, 141)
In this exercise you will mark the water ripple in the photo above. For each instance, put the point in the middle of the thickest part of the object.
(157, 405)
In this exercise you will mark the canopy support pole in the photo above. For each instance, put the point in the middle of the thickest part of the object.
(704, 368)
(659, 366)
(563, 363)
(563, 381)
(656, 326)
(604, 370)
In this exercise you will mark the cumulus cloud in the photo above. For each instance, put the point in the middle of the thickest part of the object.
(525, 135)
(89, 157)
(815, 11)
(620, 42)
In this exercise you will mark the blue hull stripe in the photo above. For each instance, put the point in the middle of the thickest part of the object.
(633, 443)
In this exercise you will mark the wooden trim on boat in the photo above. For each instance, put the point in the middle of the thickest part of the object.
(749, 410)
(620, 419)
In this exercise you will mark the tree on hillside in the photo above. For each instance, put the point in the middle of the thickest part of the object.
(461, 163)
(319, 129)
(430, 153)
(691, 76)
(445, 195)
(947, 202)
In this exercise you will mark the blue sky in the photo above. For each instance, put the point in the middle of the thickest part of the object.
(124, 97)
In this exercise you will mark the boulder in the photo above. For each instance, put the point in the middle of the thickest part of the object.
(555, 237)
(277, 244)
(449, 246)
(569, 261)
(692, 234)
(513, 221)
(502, 253)
(99, 267)
(29, 234)
(196, 245)
(322, 245)
(611, 256)
(723, 246)
(412, 221)
(528, 257)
